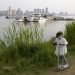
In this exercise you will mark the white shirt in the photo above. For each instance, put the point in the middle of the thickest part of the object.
(61, 49)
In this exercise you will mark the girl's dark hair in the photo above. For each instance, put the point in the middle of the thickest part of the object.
(59, 33)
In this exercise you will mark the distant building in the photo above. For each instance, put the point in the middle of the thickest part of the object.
(61, 13)
(38, 10)
(0, 13)
(66, 13)
(35, 10)
(46, 10)
(10, 11)
(13, 12)
(3, 13)
(42, 11)
(19, 12)
(27, 11)
(53, 13)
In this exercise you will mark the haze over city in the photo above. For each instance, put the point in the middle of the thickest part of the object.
(53, 5)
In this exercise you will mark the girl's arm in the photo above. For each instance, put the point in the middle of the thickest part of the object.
(64, 42)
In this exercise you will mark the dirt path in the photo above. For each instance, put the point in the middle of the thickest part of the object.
(52, 71)
(69, 71)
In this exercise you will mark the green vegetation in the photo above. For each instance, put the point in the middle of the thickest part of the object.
(23, 52)
(70, 36)
(23, 49)
(70, 33)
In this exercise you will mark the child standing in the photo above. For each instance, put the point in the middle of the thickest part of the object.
(61, 50)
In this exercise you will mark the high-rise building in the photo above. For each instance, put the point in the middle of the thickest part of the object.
(66, 13)
(19, 12)
(46, 10)
(27, 11)
(43, 11)
(35, 10)
(38, 10)
(13, 12)
(10, 11)
(61, 13)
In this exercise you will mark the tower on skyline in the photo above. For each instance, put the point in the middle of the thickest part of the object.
(10, 11)
(43, 11)
(19, 12)
(46, 10)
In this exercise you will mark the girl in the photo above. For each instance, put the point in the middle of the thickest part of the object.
(61, 50)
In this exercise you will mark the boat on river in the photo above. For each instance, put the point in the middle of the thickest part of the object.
(21, 19)
(42, 20)
(36, 18)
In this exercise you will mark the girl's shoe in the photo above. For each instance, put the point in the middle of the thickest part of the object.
(66, 66)
(60, 67)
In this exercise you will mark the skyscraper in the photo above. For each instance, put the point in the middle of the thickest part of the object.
(27, 11)
(19, 12)
(38, 10)
(13, 12)
(10, 11)
(35, 10)
(46, 10)
(43, 11)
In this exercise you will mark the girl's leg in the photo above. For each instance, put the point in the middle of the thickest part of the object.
(60, 59)
(64, 60)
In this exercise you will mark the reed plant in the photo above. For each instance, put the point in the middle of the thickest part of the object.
(25, 48)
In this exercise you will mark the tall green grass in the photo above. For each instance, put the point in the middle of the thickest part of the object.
(24, 48)
(70, 33)
(70, 36)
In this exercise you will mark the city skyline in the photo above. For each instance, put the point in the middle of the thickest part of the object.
(53, 5)
(19, 12)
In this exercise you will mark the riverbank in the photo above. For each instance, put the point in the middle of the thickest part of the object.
(22, 51)
(10, 70)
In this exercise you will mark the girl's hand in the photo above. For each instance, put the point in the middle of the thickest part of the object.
(54, 43)
(61, 44)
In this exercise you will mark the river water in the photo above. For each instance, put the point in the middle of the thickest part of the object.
(50, 28)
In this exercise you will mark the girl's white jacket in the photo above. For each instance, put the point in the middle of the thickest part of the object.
(61, 49)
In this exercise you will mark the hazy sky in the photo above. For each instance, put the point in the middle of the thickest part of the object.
(53, 5)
